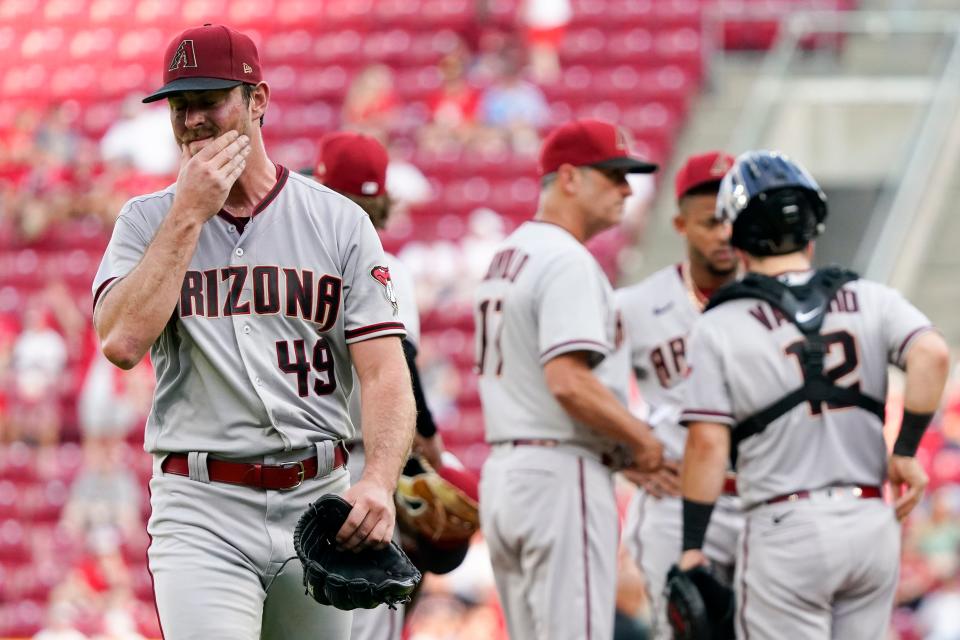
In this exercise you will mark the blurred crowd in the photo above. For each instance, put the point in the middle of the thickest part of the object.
(73, 474)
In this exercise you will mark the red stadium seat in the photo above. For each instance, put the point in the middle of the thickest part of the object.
(244, 14)
(389, 46)
(298, 13)
(110, 12)
(348, 14)
(337, 46)
(19, 463)
(96, 44)
(503, 13)
(24, 80)
(607, 110)
(677, 13)
(44, 501)
(13, 543)
(583, 45)
(35, 582)
(591, 12)
(402, 13)
(8, 500)
(439, 14)
(69, 460)
(286, 46)
(197, 12)
(79, 82)
(633, 12)
(418, 82)
(427, 47)
(44, 44)
(19, 11)
(65, 12)
(25, 618)
(328, 81)
(10, 38)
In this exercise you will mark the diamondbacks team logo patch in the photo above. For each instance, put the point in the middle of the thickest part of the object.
(184, 57)
(382, 275)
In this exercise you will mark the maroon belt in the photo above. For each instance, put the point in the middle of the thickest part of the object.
(857, 491)
(264, 476)
(535, 442)
(730, 485)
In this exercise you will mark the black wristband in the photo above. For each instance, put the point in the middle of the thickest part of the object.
(696, 517)
(426, 427)
(912, 428)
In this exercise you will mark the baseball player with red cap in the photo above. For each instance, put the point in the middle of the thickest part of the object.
(658, 314)
(355, 165)
(257, 292)
(553, 396)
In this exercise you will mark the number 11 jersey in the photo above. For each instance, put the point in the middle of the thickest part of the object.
(543, 295)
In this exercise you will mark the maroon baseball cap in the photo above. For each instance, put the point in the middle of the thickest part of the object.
(352, 163)
(592, 143)
(209, 57)
(702, 169)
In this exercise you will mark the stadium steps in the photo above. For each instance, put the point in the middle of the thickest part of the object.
(934, 289)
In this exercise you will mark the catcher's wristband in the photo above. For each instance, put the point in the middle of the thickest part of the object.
(912, 428)
(696, 518)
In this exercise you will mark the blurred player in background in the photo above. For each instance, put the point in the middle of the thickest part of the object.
(355, 165)
(554, 399)
(658, 314)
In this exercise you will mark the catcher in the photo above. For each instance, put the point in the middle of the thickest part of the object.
(788, 379)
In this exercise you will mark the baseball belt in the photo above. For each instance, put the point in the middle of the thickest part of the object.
(859, 491)
(262, 476)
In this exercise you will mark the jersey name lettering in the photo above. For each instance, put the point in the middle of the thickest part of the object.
(669, 361)
(506, 265)
(771, 318)
(262, 290)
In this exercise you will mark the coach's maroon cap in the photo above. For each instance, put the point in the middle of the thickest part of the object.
(701, 170)
(209, 57)
(352, 163)
(592, 143)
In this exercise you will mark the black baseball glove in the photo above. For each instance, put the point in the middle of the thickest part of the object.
(343, 578)
(699, 606)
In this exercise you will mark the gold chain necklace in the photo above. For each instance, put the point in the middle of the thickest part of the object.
(698, 300)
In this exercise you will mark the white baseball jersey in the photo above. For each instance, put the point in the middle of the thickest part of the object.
(544, 295)
(658, 314)
(744, 356)
(254, 359)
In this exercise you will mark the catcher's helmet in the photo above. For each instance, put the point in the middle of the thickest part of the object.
(775, 206)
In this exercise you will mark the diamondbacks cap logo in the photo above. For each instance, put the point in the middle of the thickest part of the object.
(382, 275)
(621, 141)
(721, 165)
(184, 57)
